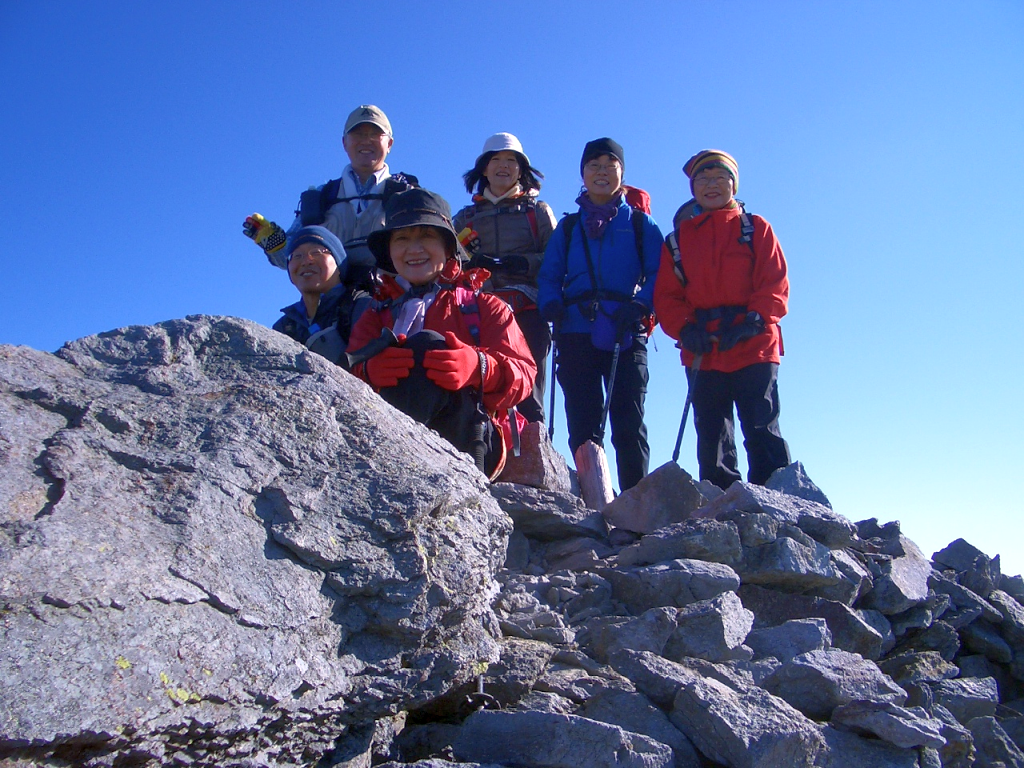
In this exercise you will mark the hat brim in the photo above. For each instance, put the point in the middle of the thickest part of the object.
(379, 242)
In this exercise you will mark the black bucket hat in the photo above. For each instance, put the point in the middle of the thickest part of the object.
(415, 207)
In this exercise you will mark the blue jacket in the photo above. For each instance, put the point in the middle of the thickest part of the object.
(342, 305)
(617, 266)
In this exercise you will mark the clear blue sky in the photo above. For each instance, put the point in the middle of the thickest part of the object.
(882, 140)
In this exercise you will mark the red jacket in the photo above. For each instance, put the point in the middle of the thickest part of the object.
(511, 369)
(721, 271)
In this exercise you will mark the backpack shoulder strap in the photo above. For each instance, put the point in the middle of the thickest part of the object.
(568, 225)
(746, 227)
(637, 220)
(672, 241)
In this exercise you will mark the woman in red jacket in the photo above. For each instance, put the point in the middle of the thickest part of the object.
(721, 291)
(432, 344)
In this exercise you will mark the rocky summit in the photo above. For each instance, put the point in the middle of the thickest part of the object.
(218, 549)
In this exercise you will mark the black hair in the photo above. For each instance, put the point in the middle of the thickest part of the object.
(529, 177)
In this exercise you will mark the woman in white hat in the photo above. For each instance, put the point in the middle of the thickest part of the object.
(506, 230)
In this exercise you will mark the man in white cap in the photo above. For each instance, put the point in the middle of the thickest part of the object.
(352, 205)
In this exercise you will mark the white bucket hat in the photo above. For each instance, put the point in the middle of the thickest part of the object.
(502, 142)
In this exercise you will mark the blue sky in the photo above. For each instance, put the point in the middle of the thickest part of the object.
(882, 140)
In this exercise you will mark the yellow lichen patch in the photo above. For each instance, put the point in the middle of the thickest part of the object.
(122, 663)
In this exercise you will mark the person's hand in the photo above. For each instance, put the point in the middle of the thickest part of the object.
(696, 339)
(752, 325)
(553, 312)
(455, 367)
(388, 366)
(266, 234)
(627, 316)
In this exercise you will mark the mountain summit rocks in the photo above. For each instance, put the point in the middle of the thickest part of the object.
(218, 549)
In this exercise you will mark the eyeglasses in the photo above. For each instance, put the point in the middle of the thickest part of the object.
(312, 252)
(703, 181)
(600, 167)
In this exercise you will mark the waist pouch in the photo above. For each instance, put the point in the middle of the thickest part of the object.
(604, 332)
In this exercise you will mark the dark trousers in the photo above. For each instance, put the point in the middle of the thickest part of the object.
(538, 338)
(583, 373)
(754, 391)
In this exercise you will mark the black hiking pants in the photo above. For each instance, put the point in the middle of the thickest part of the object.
(754, 390)
(538, 338)
(583, 373)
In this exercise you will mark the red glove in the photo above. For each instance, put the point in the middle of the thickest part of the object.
(385, 368)
(455, 367)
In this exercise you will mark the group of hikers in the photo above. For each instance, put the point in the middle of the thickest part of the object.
(451, 319)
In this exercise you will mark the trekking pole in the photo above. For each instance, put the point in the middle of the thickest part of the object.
(611, 386)
(551, 382)
(694, 368)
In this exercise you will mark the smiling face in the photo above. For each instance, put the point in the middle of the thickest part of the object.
(312, 269)
(502, 172)
(713, 188)
(418, 253)
(602, 178)
(367, 147)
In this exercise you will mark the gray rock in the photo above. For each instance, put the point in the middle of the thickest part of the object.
(698, 539)
(981, 637)
(903, 582)
(913, 668)
(203, 522)
(634, 712)
(657, 678)
(538, 465)
(438, 763)
(606, 635)
(793, 481)
(543, 701)
(968, 697)
(975, 570)
(673, 583)
(667, 495)
(819, 681)
(1013, 586)
(847, 750)
(1014, 727)
(881, 625)
(849, 631)
(964, 598)
(959, 751)
(993, 744)
(547, 740)
(789, 565)
(791, 638)
(580, 554)
(939, 637)
(855, 579)
(548, 515)
(816, 520)
(517, 556)
(918, 617)
(577, 684)
(897, 725)
(1012, 625)
(710, 629)
(743, 729)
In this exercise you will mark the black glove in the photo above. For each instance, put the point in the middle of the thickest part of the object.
(752, 325)
(627, 316)
(695, 338)
(486, 262)
(553, 312)
(515, 265)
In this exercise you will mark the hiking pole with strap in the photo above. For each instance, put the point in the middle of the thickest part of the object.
(694, 369)
(611, 386)
(551, 382)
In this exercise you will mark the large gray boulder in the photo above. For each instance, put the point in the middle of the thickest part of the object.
(206, 529)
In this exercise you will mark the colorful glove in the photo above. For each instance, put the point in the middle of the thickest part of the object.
(267, 235)
(752, 325)
(553, 312)
(627, 316)
(469, 239)
(695, 338)
(455, 367)
(385, 368)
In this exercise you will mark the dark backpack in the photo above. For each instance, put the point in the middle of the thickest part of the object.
(314, 203)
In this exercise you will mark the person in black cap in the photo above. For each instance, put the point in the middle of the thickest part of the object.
(432, 344)
(596, 286)
(322, 319)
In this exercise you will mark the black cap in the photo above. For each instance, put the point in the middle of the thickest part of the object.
(416, 207)
(604, 146)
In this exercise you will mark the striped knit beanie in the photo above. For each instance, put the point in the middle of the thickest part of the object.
(713, 158)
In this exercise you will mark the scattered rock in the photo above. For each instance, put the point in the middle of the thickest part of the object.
(667, 495)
